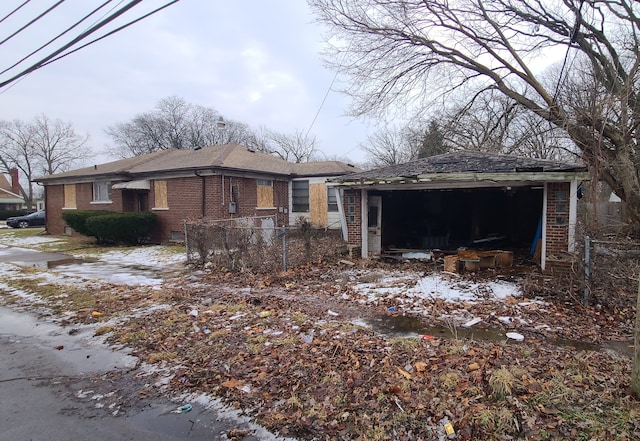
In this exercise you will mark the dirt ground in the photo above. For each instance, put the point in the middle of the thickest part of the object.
(350, 350)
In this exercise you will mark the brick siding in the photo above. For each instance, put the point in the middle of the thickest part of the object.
(184, 200)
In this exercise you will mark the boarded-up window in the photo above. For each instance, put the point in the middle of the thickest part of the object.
(160, 194)
(265, 193)
(69, 196)
(318, 204)
(300, 196)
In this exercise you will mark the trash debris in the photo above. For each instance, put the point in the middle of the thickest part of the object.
(193, 313)
(427, 337)
(184, 409)
(472, 322)
(237, 316)
(393, 310)
(96, 313)
(515, 336)
(333, 313)
(308, 338)
(264, 314)
(449, 430)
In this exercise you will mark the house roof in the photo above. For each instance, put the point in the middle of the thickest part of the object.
(227, 157)
(463, 165)
(6, 195)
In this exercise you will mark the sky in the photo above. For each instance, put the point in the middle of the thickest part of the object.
(253, 61)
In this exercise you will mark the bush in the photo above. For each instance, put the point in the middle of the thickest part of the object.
(78, 219)
(129, 228)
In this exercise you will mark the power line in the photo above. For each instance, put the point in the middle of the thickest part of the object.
(58, 36)
(14, 11)
(110, 33)
(32, 21)
(54, 56)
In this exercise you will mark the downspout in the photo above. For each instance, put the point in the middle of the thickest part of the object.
(204, 190)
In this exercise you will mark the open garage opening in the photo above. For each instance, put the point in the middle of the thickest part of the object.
(449, 219)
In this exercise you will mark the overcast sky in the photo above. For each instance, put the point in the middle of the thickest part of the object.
(253, 61)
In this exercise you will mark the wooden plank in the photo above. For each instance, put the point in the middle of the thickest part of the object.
(451, 264)
(265, 196)
(318, 205)
(70, 196)
(160, 194)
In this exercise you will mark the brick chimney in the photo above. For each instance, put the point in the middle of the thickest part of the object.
(15, 183)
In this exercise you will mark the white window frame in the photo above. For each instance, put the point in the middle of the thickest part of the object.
(102, 191)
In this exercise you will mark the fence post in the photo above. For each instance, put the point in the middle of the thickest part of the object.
(186, 242)
(284, 248)
(587, 271)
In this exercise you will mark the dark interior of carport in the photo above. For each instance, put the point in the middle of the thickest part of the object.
(479, 218)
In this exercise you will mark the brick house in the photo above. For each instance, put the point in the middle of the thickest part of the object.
(464, 200)
(218, 182)
(11, 192)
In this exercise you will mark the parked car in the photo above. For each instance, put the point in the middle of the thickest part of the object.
(30, 220)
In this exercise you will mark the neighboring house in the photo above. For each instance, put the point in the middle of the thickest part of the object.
(218, 182)
(10, 192)
(464, 199)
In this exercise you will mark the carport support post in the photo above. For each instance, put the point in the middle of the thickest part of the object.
(284, 248)
(635, 374)
(587, 270)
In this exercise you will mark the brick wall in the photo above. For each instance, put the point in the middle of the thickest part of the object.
(54, 203)
(352, 205)
(558, 196)
(184, 200)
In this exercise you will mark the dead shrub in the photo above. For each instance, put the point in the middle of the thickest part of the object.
(253, 245)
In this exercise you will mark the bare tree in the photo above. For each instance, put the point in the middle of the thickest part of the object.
(175, 124)
(390, 146)
(57, 145)
(42, 146)
(406, 53)
(295, 147)
(492, 122)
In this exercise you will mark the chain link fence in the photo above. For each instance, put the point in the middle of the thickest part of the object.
(611, 271)
(257, 244)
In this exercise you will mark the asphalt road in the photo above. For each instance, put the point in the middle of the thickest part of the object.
(57, 386)
(36, 402)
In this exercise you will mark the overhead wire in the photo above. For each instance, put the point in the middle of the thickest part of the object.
(110, 33)
(32, 21)
(57, 36)
(54, 56)
(14, 11)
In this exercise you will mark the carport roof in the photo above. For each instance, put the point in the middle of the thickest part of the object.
(466, 165)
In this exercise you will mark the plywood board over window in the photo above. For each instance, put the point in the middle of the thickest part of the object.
(160, 194)
(70, 196)
(318, 204)
(265, 193)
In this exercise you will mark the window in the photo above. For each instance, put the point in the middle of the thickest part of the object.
(265, 193)
(160, 195)
(102, 191)
(332, 200)
(69, 196)
(300, 196)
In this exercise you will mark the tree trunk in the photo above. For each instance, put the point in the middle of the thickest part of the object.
(635, 374)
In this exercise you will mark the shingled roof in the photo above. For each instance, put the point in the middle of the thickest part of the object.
(228, 157)
(462, 162)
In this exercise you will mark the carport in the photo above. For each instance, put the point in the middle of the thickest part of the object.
(463, 200)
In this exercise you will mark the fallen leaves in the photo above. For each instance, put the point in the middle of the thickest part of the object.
(287, 349)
